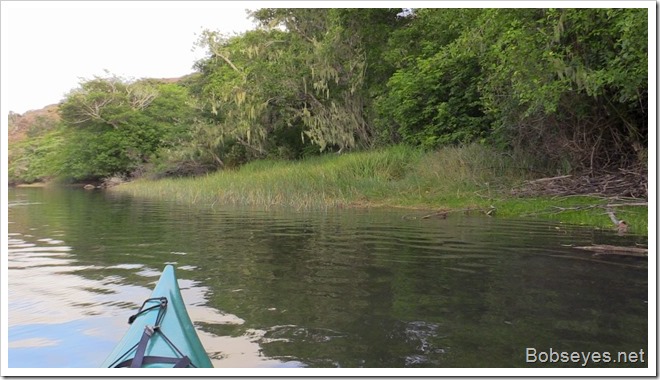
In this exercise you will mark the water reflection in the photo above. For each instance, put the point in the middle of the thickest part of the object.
(351, 288)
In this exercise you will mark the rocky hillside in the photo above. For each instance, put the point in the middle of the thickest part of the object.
(35, 139)
(32, 123)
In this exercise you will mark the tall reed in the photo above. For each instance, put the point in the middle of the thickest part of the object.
(318, 182)
(472, 176)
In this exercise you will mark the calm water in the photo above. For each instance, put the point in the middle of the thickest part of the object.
(347, 288)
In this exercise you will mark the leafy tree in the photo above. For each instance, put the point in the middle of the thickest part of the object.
(333, 50)
(115, 126)
(566, 85)
(37, 158)
(247, 87)
(556, 82)
(434, 97)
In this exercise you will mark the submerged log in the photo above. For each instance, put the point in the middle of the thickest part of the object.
(616, 250)
(442, 214)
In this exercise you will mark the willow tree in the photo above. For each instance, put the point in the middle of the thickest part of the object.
(303, 80)
(333, 82)
(250, 89)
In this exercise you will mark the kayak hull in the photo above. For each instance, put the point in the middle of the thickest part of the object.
(176, 335)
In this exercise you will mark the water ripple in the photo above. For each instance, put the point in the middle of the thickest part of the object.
(345, 288)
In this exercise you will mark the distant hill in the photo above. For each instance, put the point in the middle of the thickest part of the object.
(31, 123)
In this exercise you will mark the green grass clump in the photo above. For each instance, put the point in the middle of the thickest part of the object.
(396, 176)
(576, 210)
(469, 177)
(318, 182)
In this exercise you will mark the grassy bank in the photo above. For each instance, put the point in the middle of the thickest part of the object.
(472, 177)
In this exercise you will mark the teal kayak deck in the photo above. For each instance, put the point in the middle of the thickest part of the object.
(176, 336)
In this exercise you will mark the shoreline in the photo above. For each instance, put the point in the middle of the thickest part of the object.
(507, 208)
(29, 185)
(471, 179)
(447, 181)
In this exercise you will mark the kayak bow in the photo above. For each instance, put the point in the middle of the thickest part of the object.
(161, 332)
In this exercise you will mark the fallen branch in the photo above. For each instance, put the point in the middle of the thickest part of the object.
(558, 209)
(439, 214)
(595, 259)
(616, 250)
(627, 204)
(548, 179)
(575, 208)
(619, 224)
(443, 213)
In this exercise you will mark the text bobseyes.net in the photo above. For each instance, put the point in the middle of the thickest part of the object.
(584, 358)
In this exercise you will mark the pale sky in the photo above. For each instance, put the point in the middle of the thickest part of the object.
(47, 47)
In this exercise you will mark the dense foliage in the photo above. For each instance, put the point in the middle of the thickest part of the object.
(566, 86)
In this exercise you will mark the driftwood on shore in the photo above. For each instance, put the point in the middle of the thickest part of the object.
(632, 183)
(606, 249)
